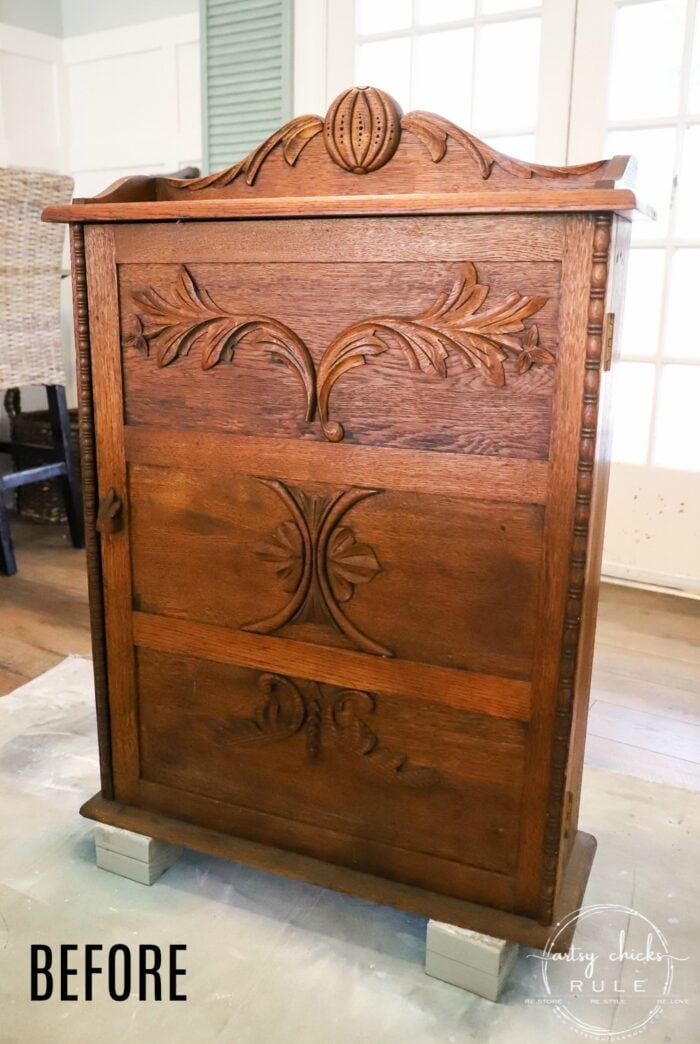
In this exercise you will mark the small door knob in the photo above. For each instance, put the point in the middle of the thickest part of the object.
(109, 513)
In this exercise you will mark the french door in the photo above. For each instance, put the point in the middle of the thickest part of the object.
(568, 81)
(643, 59)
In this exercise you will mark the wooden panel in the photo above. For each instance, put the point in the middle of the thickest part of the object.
(422, 329)
(481, 238)
(111, 476)
(477, 693)
(444, 474)
(331, 564)
(520, 201)
(559, 605)
(358, 763)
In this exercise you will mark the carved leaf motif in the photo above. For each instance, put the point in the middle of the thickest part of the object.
(318, 562)
(174, 323)
(349, 563)
(434, 131)
(454, 323)
(294, 136)
(285, 552)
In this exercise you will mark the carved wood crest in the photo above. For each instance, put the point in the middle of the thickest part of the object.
(186, 319)
(327, 716)
(362, 131)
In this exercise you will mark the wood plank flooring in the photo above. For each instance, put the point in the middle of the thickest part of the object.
(645, 702)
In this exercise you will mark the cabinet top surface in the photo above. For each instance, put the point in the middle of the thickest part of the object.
(366, 157)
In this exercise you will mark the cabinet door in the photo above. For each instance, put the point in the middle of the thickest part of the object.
(345, 452)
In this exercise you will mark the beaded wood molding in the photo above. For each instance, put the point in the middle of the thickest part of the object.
(362, 131)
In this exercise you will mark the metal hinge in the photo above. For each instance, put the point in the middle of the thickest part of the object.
(609, 340)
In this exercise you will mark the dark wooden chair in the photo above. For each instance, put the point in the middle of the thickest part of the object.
(64, 468)
(30, 333)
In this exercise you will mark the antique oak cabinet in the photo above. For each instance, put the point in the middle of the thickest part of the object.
(345, 448)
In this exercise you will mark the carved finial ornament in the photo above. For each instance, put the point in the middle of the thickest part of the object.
(362, 129)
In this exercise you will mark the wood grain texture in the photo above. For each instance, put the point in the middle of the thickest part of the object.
(484, 694)
(186, 320)
(195, 526)
(111, 475)
(542, 819)
(346, 766)
(470, 375)
(522, 201)
(444, 474)
(506, 237)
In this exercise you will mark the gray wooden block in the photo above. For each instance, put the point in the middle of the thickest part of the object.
(136, 856)
(468, 978)
(481, 952)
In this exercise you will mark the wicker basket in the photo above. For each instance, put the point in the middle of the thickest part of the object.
(41, 501)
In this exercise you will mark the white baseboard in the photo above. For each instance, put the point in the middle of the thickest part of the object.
(667, 583)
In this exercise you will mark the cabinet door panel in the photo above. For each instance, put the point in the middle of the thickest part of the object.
(294, 350)
(438, 580)
(371, 766)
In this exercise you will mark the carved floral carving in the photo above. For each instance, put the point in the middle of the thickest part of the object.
(435, 131)
(455, 323)
(327, 715)
(186, 318)
(318, 562)
(292, 138)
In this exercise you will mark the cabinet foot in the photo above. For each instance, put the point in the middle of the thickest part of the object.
(136, 856)
(475, 962)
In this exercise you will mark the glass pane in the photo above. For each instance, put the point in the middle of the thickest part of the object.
(694, 88)
(386, 64)
(384, 17)
(654, 151)
(498, 6)
(443, 81)
(646, 60)
(520, 146)
(677, 436)
(507, 51)
(682, 337)
(431, 12)
(634, 390)
(688, 214)
(640, 324)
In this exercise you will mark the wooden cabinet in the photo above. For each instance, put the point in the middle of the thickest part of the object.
(345, 449)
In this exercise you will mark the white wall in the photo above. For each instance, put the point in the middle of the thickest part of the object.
(100, 106)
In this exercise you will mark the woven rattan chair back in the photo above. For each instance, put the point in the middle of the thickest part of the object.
(30, 278)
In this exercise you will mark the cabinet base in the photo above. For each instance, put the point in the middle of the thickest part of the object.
(488, 920)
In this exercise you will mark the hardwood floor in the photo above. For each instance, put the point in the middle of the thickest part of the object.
(645, 703)
(43, 607)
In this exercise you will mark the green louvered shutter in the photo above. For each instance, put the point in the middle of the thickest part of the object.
(246, 75)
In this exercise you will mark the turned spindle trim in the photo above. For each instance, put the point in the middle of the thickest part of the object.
(89, 486)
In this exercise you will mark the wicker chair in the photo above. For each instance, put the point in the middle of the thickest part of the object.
(30, 331)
